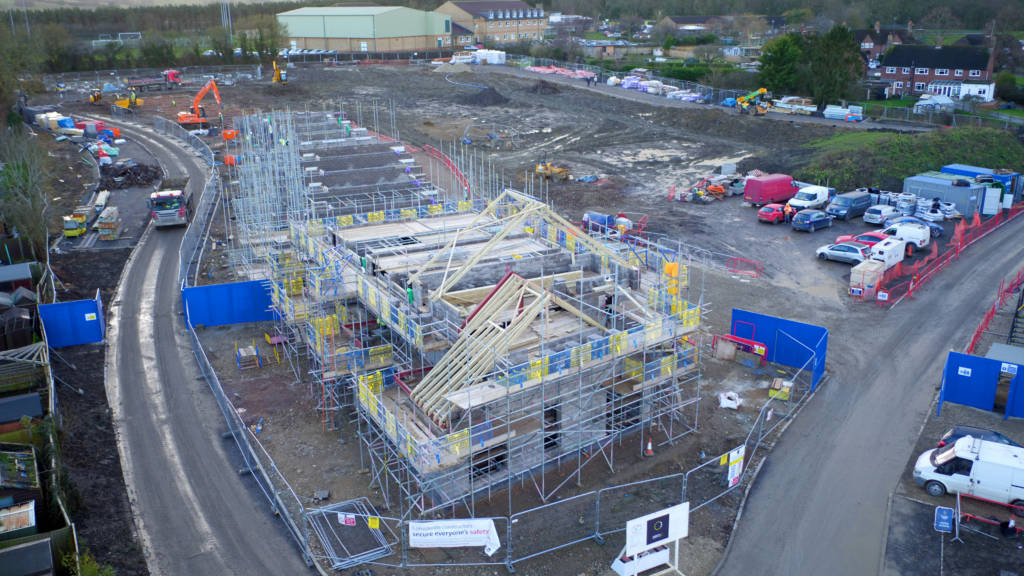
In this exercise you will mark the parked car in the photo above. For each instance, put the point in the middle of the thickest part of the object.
(849, 205)
(812, 197)
(848, 252)
(879, 213)
(811, 220)
(761, 190)
(771, 213)
(866, 238)
(957, 432)
(933, 227)
(915, 235)
(980, 468)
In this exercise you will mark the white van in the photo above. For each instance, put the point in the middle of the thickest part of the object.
(915, 235)
(812, 197)
(972, 466)
(890, 251)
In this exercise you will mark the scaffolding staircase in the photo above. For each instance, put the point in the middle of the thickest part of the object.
(1016, 337)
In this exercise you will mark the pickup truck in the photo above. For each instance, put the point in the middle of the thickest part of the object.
(812, 197)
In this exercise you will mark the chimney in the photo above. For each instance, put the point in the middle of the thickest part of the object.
(878, 27)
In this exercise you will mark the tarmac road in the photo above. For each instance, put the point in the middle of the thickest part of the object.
(194, 513)
(819, 504)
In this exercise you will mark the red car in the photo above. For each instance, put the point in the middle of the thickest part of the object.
(866, 238)
(771, 213)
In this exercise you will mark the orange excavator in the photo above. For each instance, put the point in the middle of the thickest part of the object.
(196, 115)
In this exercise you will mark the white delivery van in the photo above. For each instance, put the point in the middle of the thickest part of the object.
(915, 235)
(812, 197)
(890, 251)
(973, 466)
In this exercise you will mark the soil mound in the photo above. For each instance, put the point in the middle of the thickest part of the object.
(488, 97)
(450, 68)
(544, 87)
(119, 176)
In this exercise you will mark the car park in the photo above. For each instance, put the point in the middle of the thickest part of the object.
(879, 213)
(811, 197)
(811, 220)
(847, 252)
(933, 227)
(957, 432)
(867, 238)
(771, 213)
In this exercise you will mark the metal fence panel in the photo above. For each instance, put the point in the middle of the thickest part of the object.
(553, 526)
(617, 504)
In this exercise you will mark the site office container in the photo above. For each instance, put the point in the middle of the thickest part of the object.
(761, 190)
(973, 466)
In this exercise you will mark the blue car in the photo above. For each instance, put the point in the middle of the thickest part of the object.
(934, 227)
(811, 220)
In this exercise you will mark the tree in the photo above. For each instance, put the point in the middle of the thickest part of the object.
(23, 184)
(797, 16)
(941, 18)
(707, 55)
(780, 61)
(835, 64)
(1006, 87)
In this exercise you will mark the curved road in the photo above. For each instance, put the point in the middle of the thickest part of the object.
(818, 505)
(194, 513)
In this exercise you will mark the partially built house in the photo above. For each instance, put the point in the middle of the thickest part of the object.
(483, 341)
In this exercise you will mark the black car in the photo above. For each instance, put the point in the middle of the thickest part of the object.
(957, 432)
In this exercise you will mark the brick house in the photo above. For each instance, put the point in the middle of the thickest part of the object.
(875, 41)
(909, 69)
(461, 36)
(497, 21)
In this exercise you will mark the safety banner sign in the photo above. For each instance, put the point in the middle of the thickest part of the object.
(454, 534)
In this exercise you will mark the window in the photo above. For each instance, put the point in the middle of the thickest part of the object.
(362, 46)
(958, 73)
(899, 84)
(920, 70)
(906, 70)
(890, 69)
(942, 71)
(981, 91)
(975, 74)
(919, 86)
(866, 45)
(448, 26)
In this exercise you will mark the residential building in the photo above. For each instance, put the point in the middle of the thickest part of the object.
(908, 69)
(367, 29)
(497, 21)
(690, 24)
(461, 36)
(983, 91)
(876, 41)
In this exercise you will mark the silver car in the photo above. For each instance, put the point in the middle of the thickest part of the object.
(848, 252)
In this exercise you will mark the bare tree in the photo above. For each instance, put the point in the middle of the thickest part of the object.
(23, 184)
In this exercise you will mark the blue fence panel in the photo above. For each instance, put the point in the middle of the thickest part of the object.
(972, 380)
(73, 323)
(786, 342)
(232, 303)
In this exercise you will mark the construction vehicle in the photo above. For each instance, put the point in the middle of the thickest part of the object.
(168, 80)
(132, 101)
(757, 102)
(551, 172)
(280, 75)
(78, 222)
(196, 114)
(95, 96)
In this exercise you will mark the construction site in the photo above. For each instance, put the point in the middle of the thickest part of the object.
(484, 341)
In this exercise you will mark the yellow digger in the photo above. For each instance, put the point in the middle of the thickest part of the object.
(95, 96)
(130, 102)
(551, 172)
(280, 75)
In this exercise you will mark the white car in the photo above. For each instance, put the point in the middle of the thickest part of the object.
(879, 213)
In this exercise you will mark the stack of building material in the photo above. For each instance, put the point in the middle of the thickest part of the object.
(109, 223)
(851, 114)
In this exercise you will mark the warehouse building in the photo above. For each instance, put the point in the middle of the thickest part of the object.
(498, 21)
(367, 29)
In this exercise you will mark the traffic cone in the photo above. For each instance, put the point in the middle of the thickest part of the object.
(650, 448)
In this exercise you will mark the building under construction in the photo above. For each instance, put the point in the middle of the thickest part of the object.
(484, 341)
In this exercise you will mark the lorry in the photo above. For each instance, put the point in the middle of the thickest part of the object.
(168, 80)
(170, 207)
(812, 197)
(976, 467)
(761, 190)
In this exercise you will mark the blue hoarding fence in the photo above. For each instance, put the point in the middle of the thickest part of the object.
(72, 323)
(789, 343)
(973, 381)
(231, 303)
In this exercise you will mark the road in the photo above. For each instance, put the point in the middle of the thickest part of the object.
(194, 513)
(818, 505)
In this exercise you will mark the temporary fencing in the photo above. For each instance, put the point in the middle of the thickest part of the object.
(1006, 290)
(746, 267)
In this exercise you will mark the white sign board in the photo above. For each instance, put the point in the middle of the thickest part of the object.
(1008, 368)
(963, 371)
(736, 465)
(657, 529)
(455, 534)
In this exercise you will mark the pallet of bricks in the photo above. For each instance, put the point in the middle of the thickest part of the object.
(109, 223)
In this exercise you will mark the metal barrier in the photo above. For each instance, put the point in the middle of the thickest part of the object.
(122, 114)
(1002, 297)
(752, 268)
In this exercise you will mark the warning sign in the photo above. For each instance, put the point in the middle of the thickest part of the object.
(736, 465)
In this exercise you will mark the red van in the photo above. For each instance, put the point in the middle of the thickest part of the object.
(762, 190)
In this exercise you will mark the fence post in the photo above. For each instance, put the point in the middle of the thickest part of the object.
(508, 549)
(597, 520)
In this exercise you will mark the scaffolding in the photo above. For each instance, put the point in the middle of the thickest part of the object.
(481, 341)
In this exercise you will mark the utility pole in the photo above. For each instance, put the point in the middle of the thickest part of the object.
(24, 8)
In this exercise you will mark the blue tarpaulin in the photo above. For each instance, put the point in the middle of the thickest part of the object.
(231, 303)
(786, 342)
(972, 381)
(73, 323)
